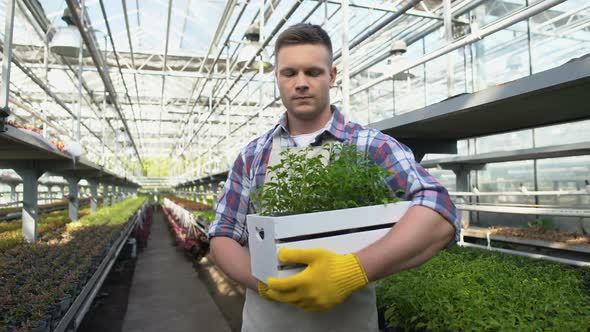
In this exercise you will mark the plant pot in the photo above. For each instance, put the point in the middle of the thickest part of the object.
(341, 231)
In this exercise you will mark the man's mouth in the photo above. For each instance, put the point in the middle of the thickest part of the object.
(302, 98)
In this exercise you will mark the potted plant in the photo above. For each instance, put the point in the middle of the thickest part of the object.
(340, 202)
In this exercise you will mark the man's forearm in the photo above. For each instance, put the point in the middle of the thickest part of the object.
(418, 236)
(234, 260)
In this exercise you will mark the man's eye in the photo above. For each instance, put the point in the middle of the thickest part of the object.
(288, 73)
(314, 72)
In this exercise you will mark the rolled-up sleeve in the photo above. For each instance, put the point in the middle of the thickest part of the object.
(231, 210)
(419, 186)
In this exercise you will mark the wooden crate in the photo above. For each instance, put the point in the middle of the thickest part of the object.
(341, 231)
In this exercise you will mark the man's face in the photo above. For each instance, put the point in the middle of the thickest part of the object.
(304, 76)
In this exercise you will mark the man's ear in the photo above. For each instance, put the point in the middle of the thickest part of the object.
(333, 76)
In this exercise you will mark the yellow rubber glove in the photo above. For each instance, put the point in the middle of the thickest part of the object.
(328, 279)
(263, 290)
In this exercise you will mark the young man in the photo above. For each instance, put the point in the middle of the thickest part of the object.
(334, 292)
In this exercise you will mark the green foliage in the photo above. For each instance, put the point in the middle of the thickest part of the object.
(347, 179)
(209, 201)
(207, 215)
(542, 223)
(474, 290)
(157, 167)
(11, 232)
(37, 277)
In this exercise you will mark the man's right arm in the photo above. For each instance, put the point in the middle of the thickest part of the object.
(227, 233)
(234, 260)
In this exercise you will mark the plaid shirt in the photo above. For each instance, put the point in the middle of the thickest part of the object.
(249, 170)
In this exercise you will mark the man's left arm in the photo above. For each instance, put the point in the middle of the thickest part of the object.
(419, 235)
(429, 225)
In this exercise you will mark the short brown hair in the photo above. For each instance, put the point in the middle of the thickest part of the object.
(301, 34)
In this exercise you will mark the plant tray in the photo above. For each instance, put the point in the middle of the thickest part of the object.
(341, 231)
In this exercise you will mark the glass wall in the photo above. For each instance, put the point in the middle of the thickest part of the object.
(542, 42)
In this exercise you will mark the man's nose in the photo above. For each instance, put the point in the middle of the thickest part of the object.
(301, 82)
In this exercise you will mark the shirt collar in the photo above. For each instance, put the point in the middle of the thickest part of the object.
(337, 126)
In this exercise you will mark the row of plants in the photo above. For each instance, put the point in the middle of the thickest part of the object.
(465, 289)
(187, 237)
(542, 229)
(59, 144)
(43, 207)
(43, 217)
(39, 281)
(188, 204)
(142, 230)
(49, 226)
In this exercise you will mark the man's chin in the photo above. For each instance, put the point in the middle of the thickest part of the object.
(305, 113)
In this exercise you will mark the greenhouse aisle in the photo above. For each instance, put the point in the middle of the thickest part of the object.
(166, 293)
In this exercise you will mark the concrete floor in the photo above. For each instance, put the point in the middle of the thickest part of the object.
(166, 294)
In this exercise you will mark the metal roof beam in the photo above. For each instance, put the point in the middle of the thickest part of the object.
(170, 3)
(98, 61)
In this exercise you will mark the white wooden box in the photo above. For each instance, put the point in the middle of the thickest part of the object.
(341, 231)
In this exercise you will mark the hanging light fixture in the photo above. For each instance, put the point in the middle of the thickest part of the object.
(67, 40)
(249, 50)
(397, 49)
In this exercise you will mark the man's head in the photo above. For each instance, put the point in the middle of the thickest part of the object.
(304, 70)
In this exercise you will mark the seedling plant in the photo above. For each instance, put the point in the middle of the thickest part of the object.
(345, 179)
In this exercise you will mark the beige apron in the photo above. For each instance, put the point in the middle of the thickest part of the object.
(358, 313)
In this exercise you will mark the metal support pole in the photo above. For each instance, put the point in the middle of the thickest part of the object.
(228, 101)
(73, 201)
(105, 195)
(104, 106)
(6, 63)
(80, 53)
(462, 183)
(30, 209)
(46, 78)
(93, 184)
(345, 60)
(448, 23)
(13, 197)
(114, 195)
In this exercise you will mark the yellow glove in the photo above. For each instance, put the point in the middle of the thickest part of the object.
(263, 290)
(327, 281)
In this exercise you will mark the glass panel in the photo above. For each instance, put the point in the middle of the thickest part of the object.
(445, 177)
(359, 108)
(463, 147)
(501, 57)
(560, 34)
(567, 133)
(409, 86)
(380, 99)
(569, 174)
(508, 176)
(505, 142)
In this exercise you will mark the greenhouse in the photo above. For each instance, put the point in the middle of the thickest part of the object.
(295, 165)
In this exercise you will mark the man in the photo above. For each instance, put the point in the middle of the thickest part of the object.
(334, 292)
